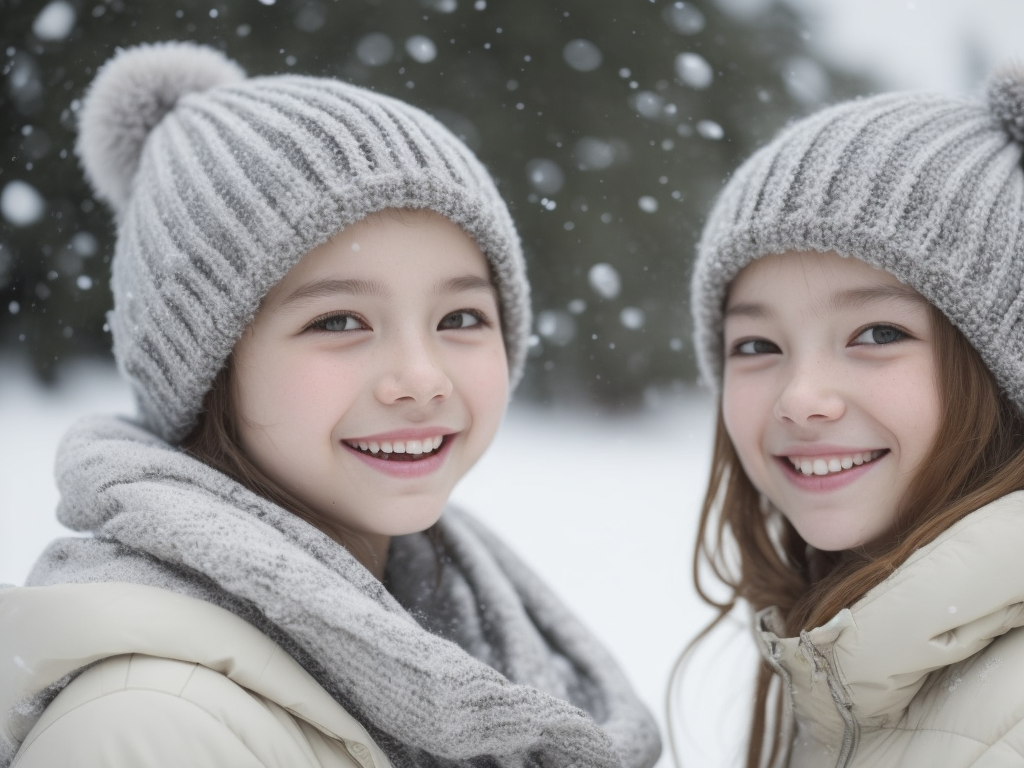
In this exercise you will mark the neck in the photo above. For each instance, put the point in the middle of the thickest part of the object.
(378, 561)
(370, 549)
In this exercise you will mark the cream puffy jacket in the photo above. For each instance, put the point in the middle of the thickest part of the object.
(927, 669)
(177, 682)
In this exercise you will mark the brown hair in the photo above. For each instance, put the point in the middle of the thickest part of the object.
(751, 549)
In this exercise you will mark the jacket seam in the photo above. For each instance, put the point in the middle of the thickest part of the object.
(903, 729)
(28, 744)
(995, 744)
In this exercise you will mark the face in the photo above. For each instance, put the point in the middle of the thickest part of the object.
(374, 375)
(830, 392)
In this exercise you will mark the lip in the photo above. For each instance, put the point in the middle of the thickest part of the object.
(405, 469)
(824, 483)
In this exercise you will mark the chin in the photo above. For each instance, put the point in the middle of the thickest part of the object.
(831, 540)
(403, 525)
(834, 543)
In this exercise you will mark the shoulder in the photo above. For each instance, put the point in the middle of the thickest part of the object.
(981, 698)
(135, 710)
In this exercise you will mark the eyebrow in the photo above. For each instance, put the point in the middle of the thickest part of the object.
(463, 284)
(851, 298)
(318, 289)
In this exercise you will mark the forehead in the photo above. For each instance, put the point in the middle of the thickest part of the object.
(813, 276)
(393, 248)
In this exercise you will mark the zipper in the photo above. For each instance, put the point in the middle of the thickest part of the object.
(851, 728)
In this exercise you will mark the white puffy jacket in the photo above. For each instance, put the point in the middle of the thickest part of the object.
(177, 681)
(927, 669)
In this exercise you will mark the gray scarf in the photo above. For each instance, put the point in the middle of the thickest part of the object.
(492, 668)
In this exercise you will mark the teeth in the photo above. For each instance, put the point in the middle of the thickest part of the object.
(831, 465)
(414, 447)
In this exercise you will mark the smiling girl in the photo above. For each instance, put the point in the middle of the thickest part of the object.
(321, 305)
(859, 308)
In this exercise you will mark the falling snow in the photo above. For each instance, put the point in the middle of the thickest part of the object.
(545, 176)
(605, 280)
(806, 80)
(582, 55)
(684, 18)
(709, 129)
(55, 21)
(632, 318)
(593, 154)
(648, 104)
(21, 204)
(375, 49)
(648, 204)
(556, 326)
(694, 70)
(421, 48)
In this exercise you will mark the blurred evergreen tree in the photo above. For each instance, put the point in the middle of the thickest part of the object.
(609, 125)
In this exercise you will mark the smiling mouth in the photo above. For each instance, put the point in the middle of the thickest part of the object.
(831, 465)
(399, 450)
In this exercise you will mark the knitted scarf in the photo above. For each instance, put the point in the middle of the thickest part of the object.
(484, 665)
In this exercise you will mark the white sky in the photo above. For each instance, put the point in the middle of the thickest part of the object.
(945, 45)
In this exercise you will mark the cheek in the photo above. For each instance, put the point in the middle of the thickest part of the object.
(909, 404)
(740, 414)
(294, 395)
(483, 383)
(921, 415)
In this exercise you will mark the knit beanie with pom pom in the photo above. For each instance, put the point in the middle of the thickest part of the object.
(221, 183)
(929, 188)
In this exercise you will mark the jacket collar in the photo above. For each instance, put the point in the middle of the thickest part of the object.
(947, 602)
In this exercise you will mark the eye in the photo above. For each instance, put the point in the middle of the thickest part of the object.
(755, 347)
(880, 334)
(338, 322)
(464, 318)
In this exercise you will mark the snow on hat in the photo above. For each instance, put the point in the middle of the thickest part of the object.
(221, 183)
(928, 188)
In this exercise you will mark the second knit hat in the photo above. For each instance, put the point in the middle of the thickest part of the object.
(929, 188)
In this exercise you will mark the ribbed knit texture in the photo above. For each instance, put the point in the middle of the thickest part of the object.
(467, 659)
(928, 188)
(221, 184)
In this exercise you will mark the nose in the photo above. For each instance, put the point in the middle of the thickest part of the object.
(811, 393)
(412, 372)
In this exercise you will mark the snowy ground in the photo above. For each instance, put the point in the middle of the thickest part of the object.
(603, 508)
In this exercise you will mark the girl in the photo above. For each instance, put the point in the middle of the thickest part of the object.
(321, 305)
(859, 308)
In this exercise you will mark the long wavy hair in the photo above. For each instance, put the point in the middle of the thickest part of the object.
(755, 553)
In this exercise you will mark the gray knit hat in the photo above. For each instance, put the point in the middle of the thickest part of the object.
(928, 188)
(222, 183)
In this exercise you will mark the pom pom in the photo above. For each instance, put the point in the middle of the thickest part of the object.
(131, 94)
(1006, 99)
